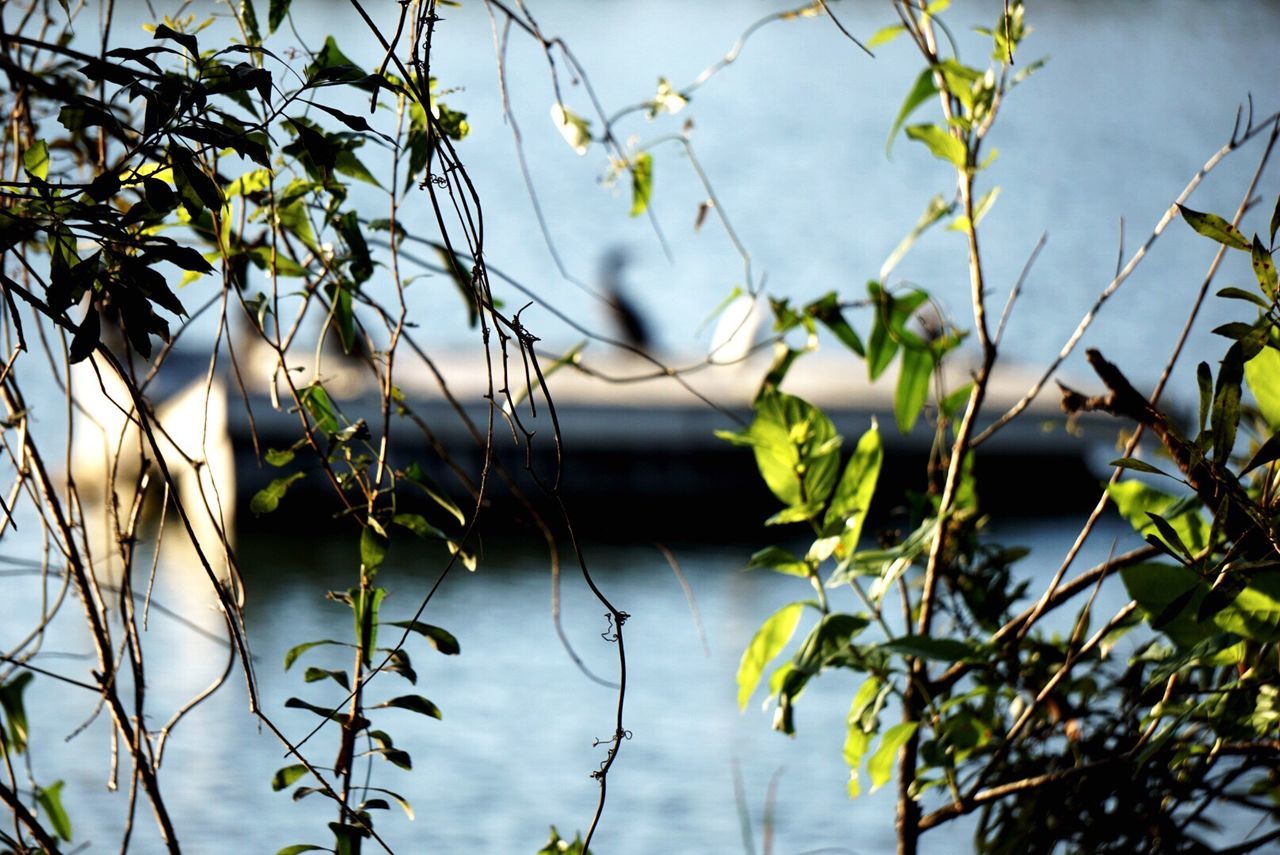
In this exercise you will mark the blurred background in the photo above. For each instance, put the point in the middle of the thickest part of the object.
(1134, 99)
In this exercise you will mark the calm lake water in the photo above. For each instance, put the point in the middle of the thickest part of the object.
(1134, 99)
(514, 750)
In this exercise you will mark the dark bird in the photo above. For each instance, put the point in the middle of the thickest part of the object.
(628, 323)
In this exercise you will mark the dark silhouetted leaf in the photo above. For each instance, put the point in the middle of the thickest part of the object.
(185, 39)
(928, 647)
(412, 703)
(440, 639)
(294, 652)
(1225, 416)
(1269, 451)
(276, 13)
(1137, 465)
(87, 334)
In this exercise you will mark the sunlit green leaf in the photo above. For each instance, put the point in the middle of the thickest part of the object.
(1156, 587)
(884, 35)
(779, 560)
(1215, 228)
(285, 777)
(50, 799)
(796, 449)
(922, 90)
(913, 388)
(1255, 613)
(35, 160)
(268, 498)
(298, 848)
(773, 635)
(880, 766)
(1134, 500)
(373, 546)
(941, 143)
(854, 492)
(1264, 267)
(575, 129)
(641, 182)
(1263, 376)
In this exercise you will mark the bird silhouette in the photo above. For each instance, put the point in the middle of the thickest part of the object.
(628, 322)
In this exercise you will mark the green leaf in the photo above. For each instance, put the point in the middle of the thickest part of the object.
(279, 458)
(298, 848)
(1168, 533)
(50, 799)
(853, 495)
(941, 143)
(285, 777)
(858, 735)
(1215, 228)
(414, 473)
(15, 710)
(1137, 465)
(268, 498)
(937, 208)
(773, 635)
(1156, 587)
(1275, 220)
(929, 647)
(641, 182)
(373, 546)
(779, 560)
(913, 388)
(1135, 500)
(951, 405)
(249, 20)
(1264, 267)
(314, 675)
(364, 606)
(984, 204)
(796, 449)
(276, 13)
(412, 703)
(440, 639)
(35, 160)
(884, 35)
(1241, 294)
(1262, 373)
(1269, 451)
(1204, 379)
(827, 311)
(318, 403)
(922, 90)
(418, 524)
(1225, 416)
(880, 766)
(575, 129)
(292, 654)
(1255, 613)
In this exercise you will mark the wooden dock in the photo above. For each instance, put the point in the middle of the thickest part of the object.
(637, 448)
